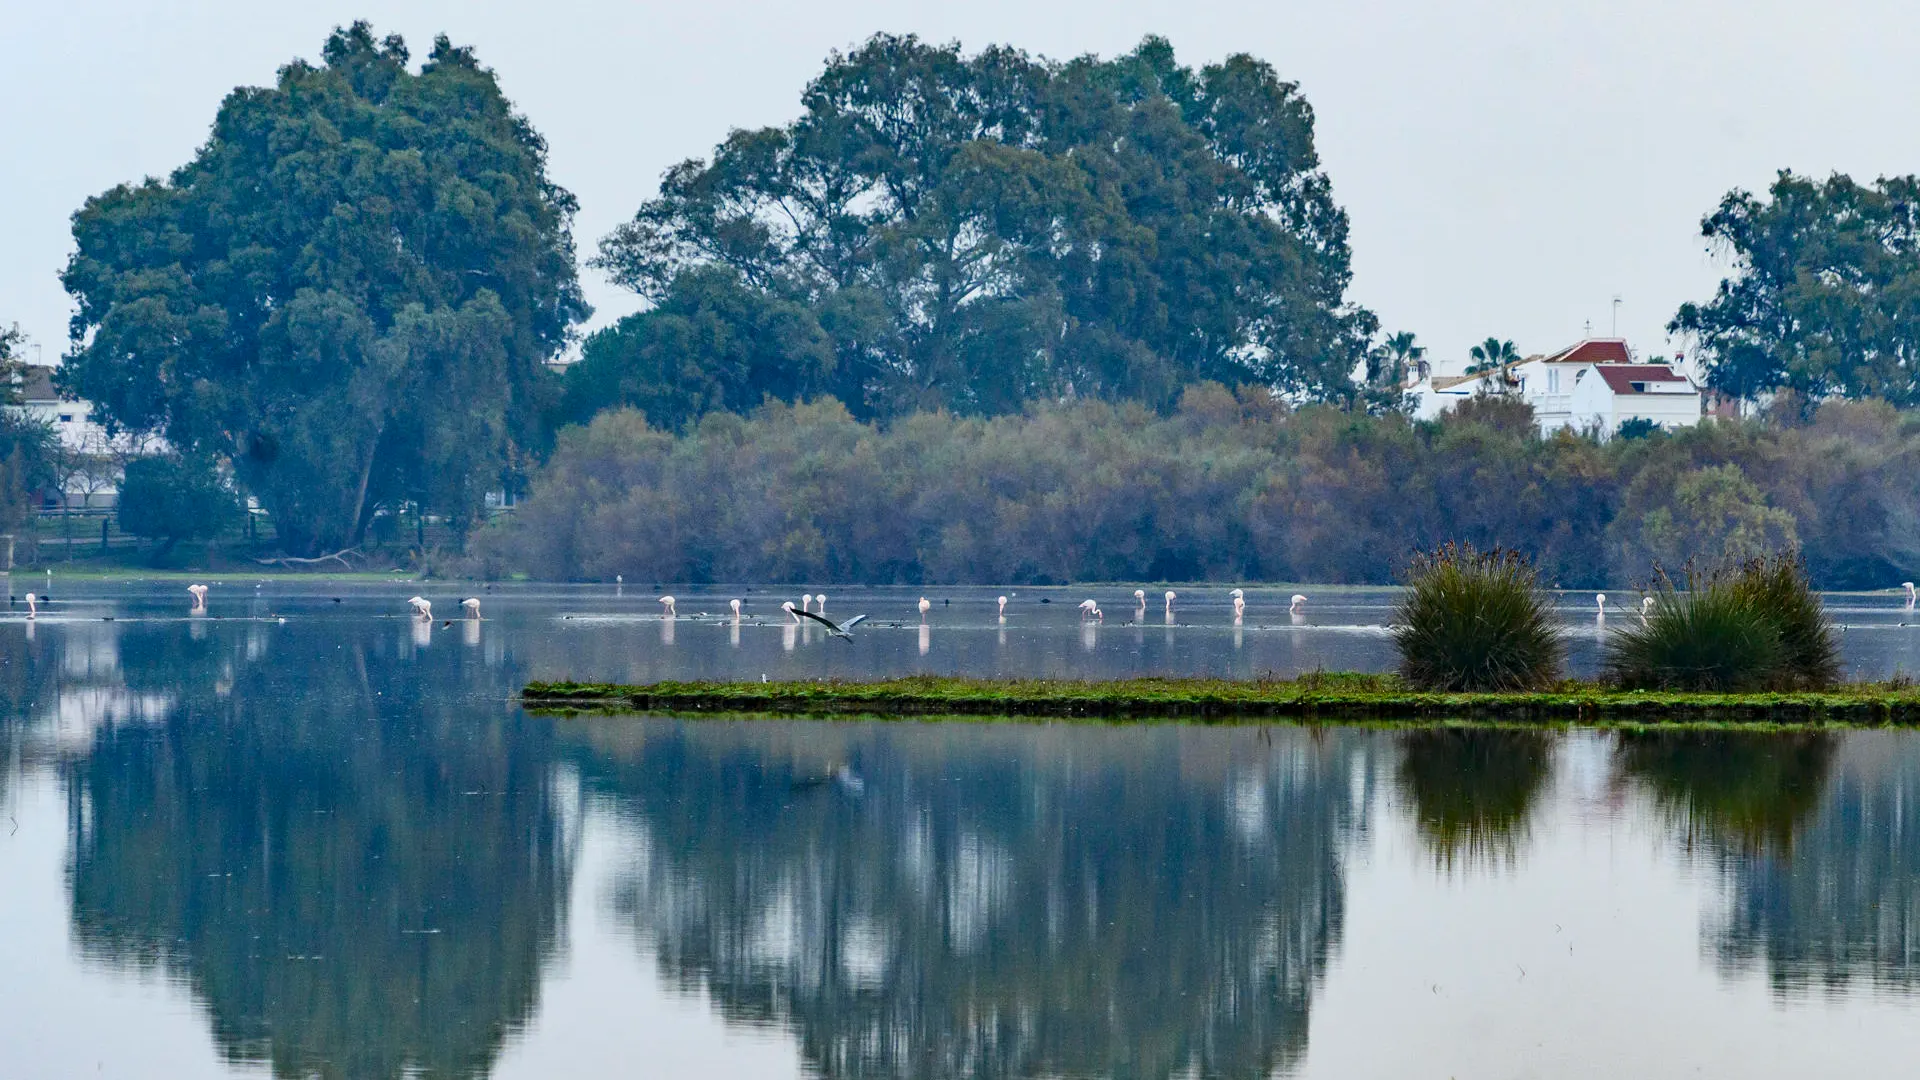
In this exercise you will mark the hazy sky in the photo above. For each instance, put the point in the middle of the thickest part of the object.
(1509, 165)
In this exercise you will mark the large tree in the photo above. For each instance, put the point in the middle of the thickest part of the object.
(939, 230)
(1824, 298)
(349, 292)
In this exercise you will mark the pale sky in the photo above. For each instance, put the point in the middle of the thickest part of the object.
(1509, 166)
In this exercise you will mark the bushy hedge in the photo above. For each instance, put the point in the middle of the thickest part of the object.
(1232, 486)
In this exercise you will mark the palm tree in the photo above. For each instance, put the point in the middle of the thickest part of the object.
(1403, 355)
(1491, 353)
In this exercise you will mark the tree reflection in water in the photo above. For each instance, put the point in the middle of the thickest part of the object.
(1739, 789)
(1471, 790)
(355, 875)
(979, 900)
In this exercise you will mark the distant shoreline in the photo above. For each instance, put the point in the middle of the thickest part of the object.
(1329, 697)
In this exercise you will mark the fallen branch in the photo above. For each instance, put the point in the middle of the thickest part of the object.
(294, 560)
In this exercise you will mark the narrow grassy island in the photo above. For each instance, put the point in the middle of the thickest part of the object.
(1315, 697)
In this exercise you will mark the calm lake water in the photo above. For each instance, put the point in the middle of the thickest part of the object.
(306, 835)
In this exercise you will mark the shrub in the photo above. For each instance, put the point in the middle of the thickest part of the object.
(1778, 587)
(172, 498)
(1755, 626)
(1474, 620)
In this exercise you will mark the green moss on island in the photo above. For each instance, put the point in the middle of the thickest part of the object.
(1313, 697)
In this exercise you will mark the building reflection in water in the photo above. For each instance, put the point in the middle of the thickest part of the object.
(949, 899)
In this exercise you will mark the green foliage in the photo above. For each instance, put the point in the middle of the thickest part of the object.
(1823, 293)
(1491, 354)
(174, 499)
(1638, 427)
(1473, 620)
(1234, 486)
(1778, 588)
(1753, 625)
(348, 293)
(942, 231)
(29, 458)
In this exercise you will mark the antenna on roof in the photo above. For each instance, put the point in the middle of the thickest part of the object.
(1616, 315)
(1587, 331)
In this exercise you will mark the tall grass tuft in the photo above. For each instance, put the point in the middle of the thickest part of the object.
(1473, 620)
(1779, 588)
(1757, 625)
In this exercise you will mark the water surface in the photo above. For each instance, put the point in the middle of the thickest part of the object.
(306, 835)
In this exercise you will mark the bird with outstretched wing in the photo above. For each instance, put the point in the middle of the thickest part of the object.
(834, 629)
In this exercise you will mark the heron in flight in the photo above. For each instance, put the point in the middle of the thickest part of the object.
(834, 629)
(421, 607)
(199, 594)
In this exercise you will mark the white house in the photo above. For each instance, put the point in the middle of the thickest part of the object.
(92, 478)
(1594, 385)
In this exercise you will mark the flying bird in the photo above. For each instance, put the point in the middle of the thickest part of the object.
(420, 607)
(835, 629)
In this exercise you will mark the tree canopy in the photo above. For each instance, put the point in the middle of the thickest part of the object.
(1824, 299)
(939, 230)
(349, 292)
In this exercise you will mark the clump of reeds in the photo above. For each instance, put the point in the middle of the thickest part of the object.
(1755, 626)
(1474, 620)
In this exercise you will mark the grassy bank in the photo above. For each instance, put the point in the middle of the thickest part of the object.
(1319, 696)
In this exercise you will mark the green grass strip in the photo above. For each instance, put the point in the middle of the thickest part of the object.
(1315, 697)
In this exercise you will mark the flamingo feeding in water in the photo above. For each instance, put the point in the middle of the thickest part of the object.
(820, 601)
(1239, 602)
(1140, 597)
(926, 605)
(420, 607)
(787, 606)
(1003, 607)
(806, 601)
(1299, 601)
(1600, 601)
(1911, 594)
(735, 605)
(199, 594)
(666, 602)
(1646, 606)
(1090, 609)
(470, 607)
(33, 606)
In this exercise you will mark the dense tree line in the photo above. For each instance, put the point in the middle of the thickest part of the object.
(349, 293)
(29, 452)
(938, 230)
(1230, 486)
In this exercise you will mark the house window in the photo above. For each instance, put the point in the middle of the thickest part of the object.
(1553, 380)
(1639, 387)
(66, 418)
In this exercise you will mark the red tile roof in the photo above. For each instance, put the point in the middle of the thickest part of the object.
(1621, 377)
(1593, 351)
